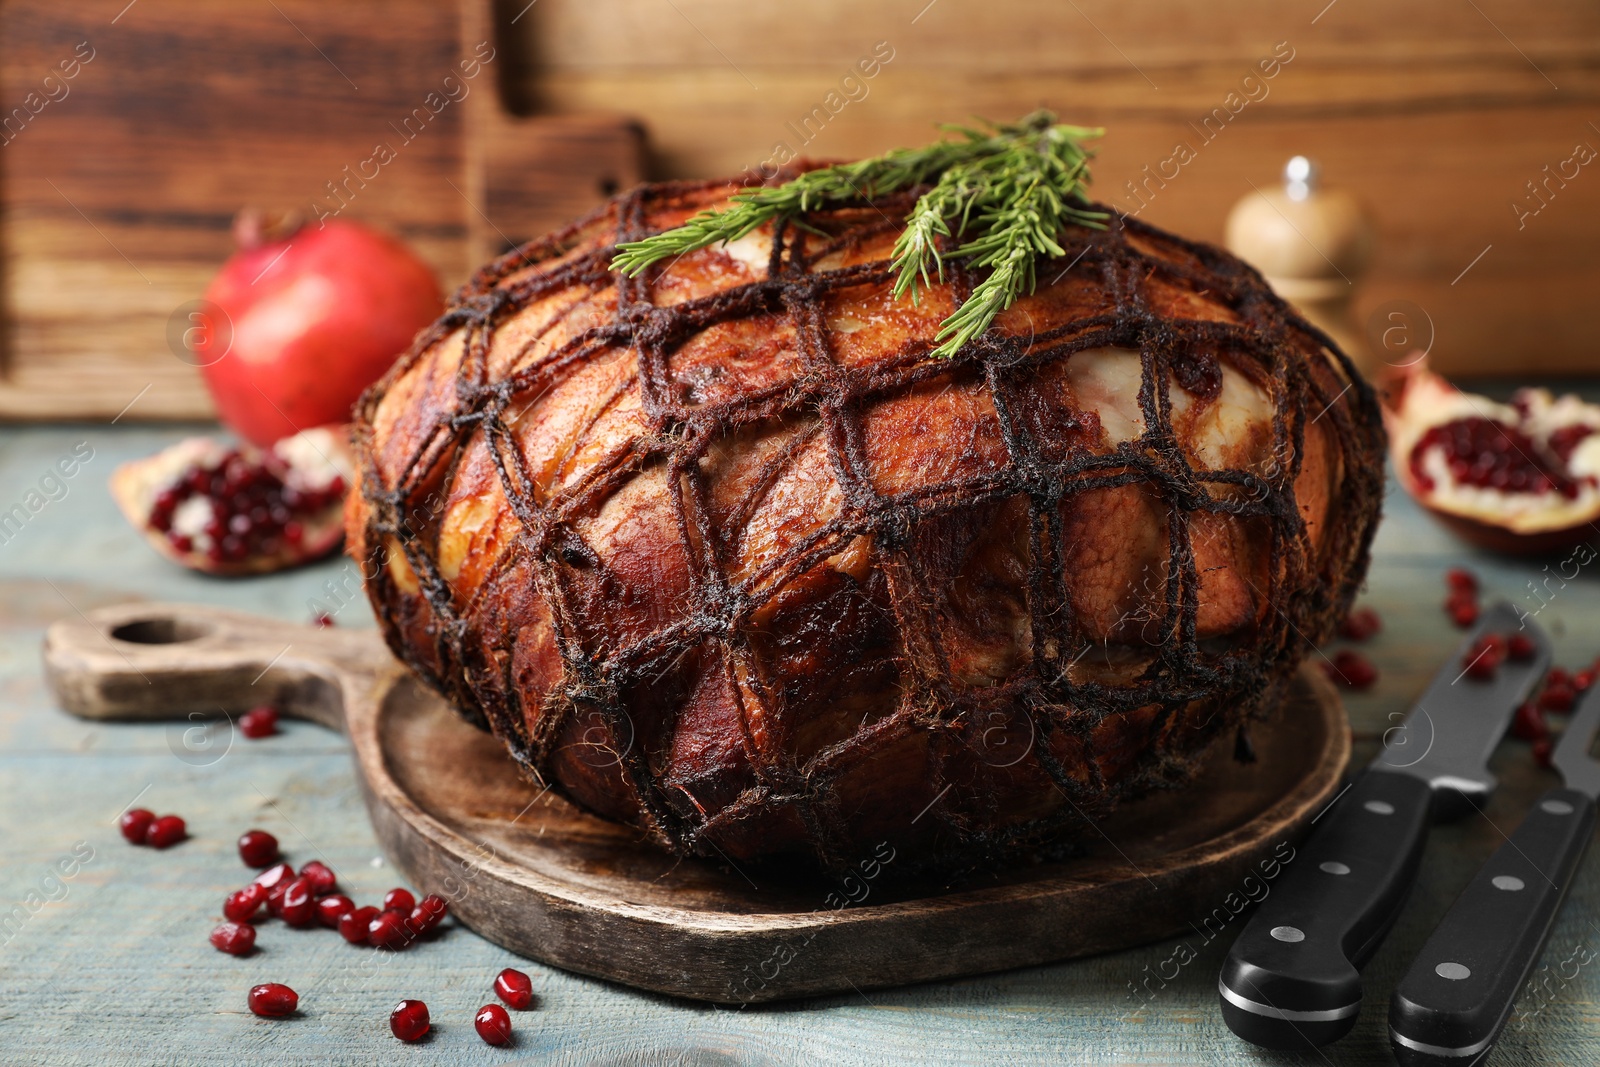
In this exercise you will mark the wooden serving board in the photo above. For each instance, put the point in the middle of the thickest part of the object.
(133, 132)
(534, 874)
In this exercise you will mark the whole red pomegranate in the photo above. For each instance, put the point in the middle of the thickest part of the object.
(310, 316)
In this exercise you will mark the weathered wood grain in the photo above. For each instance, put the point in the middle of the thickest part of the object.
(117, 969)
(117, 198)
(1435, 115)
(567, 888)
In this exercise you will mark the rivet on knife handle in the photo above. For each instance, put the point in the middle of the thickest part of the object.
(1293, 978)
(1459, 990)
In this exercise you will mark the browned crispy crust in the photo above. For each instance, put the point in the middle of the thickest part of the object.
(721, 552)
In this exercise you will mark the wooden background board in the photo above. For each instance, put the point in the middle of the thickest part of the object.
(118, 196)
(120, 961)
(1436, 114)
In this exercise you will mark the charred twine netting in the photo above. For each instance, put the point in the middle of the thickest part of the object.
(1072, 699)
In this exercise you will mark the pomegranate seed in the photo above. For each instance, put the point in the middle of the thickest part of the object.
(389, 929)
(243, 905)
(514, 987)
(1582, 680)
(1557, 676)
(493, 1024)
(273, 999)
(298, 907)
(1483, 658)
(1520, 648)
(333, 908)
(399, 900)
(135, 823)
(429, 912)
(1461, 580)
(1541, 752)
(259, 722)
(1557, 697)
(409, 1020)
(1350, 668)
(320, 875)
(165, 832)
(1528, 724)
(322, 620)
(1360, 624)
(234, 938)
(1564, 440)
(275, 876)
(353, 925)
(258, 848)
(1464, 613)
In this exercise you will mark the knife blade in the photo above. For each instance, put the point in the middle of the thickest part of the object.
(1293, 976)
(1455, 999)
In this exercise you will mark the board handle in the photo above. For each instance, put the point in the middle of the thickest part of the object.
(155, 662)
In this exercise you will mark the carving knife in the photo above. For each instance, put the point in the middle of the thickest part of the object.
(1292, 978)
(1454, 1001)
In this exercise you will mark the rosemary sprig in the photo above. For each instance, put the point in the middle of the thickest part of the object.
(1004, 193)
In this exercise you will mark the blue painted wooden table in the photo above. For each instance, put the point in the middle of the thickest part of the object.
(103, 953)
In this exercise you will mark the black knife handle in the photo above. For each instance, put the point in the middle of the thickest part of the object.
(1293, 978)
(1455, 998)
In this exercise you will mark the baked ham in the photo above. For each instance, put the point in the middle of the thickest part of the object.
(722, 552)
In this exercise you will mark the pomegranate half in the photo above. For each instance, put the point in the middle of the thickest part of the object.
(1520, 478)
(236, 509)
(723, 553)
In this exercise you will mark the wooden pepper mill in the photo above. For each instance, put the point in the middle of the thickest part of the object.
(1313, 246)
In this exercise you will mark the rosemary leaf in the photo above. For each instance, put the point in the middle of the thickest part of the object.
(1005, 193)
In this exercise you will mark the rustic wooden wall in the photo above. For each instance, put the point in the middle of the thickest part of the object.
(1435, 113)
(130, 134)
(116, 197)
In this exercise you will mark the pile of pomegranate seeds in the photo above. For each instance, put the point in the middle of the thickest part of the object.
(514, 987)
(272, 1000)
(258, 848)
(1360, 624)
(141, 827)
(1487, 454)
(306, 899)
(1462, 603)
(1558, 695)
(259, 722)
(244, 507)
(409, 1020)
(493, 1024)
(1350, 668)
